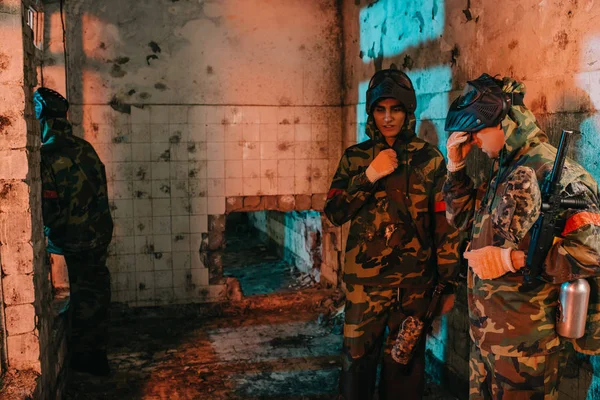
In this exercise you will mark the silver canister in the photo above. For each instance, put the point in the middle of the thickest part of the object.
(573, 307)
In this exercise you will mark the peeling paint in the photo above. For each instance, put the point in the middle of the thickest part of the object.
(145, 95)
(160, 86)
(467, 11)
(513, 44)
(454, 54)
(122, 60)
(209, 70)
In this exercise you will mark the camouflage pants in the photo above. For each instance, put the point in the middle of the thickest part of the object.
(513, 378)
(89, 281)
(370, 310)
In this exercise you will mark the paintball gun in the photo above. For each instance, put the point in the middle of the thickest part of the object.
(549, 223)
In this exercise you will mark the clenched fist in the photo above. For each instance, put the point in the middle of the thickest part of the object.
(384, 164)
(458, 145)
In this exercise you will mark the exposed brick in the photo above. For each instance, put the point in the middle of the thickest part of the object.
(20, 319)
(252, 203)
(303, 202)
(234, 204)
(15, 228)
(286, 203)
(13, 164)
(270, 202)
(17, 258)
(216, 240)
(14, 196)
(216, 223)
(24, 351)
(18, 289)
(318, 202)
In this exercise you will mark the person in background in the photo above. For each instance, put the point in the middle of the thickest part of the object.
(78, 225)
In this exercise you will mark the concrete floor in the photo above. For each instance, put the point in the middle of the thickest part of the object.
(279, 345)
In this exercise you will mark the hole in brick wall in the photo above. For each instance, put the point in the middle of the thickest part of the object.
(273, 251)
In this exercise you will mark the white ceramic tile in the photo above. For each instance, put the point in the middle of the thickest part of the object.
(182, 261)
(180, 206)
(140, 115)
(163, 279)
(197, 115)
(142, 207)
(195, 255)
(200, 276)
(268, 132)
(144, 262)
(182, 277)
(251, 168)
(234, 187)
(142, 189)
(198, 223)
(161, 225)
(234, 150)
(162, 243)
(181, 243)
(163, 261)
(269, 150)
(159, 114)
(285, 133)
(140, 133)
(216, 187)
(159, 133)
(215, 151)
(303, 132)
(285, 168)
(251, 132)
(125, 245)
(123, 208)
(141, 152)
(198, 188)
(181, 224)
(268, 115)
(142, 226)
(233, 169)
(197, 133)
(123, 227)
(216, 205)
(179, 151)
(215, 133)
(121, 152)
(215, 169)
(251, 115)
(178, 170)
(233, 133)
(161, 188)
(179, 189)
(251, 151)
(215, 114)
(199, 205)
(160, 152)
(121, 171)
(268, 186)
(161, 207)
(178, 114)
(251, 186)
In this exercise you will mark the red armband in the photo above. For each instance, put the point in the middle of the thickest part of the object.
(580, 219)
(50, 194)
(439, 206)
(333, 193)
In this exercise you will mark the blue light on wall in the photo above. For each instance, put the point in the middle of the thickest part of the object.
(390, 27)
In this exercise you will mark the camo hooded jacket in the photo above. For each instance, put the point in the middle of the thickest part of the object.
(505, 320)
(74, 194)
(399, 236)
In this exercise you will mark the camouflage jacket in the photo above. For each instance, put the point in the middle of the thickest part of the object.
(398, 232)
(74, 193)
(505, 320)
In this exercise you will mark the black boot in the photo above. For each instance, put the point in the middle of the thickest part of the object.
(94, 362)
(358, 383)
(406, 382)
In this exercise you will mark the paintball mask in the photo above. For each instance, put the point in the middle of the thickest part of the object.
(49, 104)
(482, 104)
(391, 83)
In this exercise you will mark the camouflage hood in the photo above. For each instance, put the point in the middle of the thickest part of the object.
(407, 133)
(56, 130)
(519, 125)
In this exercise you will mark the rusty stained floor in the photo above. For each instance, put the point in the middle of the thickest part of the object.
(280, 345)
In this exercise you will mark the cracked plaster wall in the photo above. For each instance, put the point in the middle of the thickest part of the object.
(189, 103)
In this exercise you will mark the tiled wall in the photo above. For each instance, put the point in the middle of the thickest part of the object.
(297, 235)
(169, 167)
